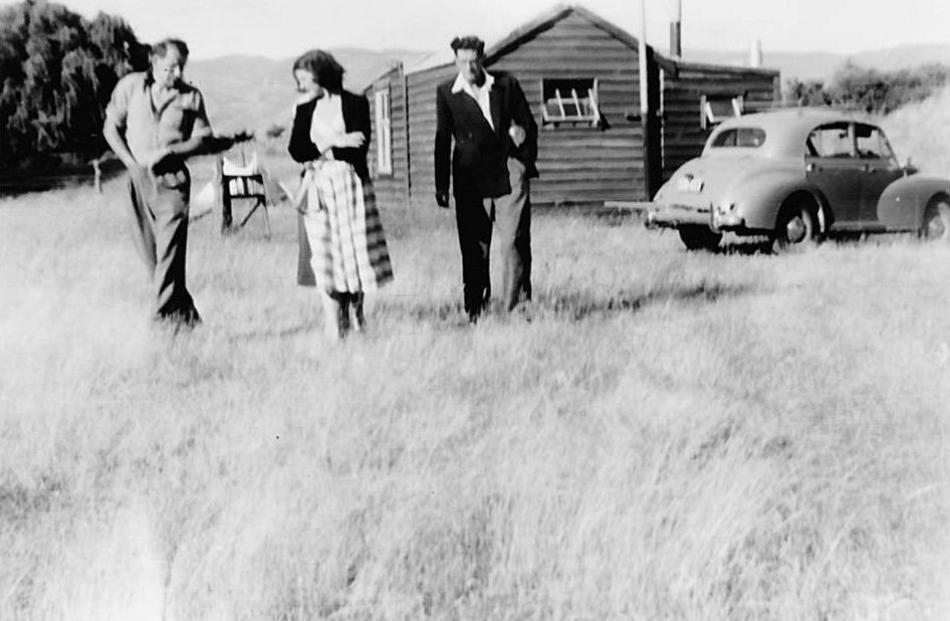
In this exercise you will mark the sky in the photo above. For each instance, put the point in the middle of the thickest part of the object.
(284, 28)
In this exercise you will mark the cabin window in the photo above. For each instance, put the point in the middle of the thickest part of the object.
(569, 101)
(714, 109)
(384, 133)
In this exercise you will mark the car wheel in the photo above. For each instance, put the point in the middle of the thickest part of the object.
(796, 228)
(936, 224)
(699, 237)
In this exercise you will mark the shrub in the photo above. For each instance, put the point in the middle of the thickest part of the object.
(274, 131)
(869, 89)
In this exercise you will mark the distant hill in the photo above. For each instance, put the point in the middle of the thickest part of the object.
(254, 92)
(822, 65)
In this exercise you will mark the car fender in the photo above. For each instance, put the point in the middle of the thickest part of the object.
(903, 202)
(762, 196)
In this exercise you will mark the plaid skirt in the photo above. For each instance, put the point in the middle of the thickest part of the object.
(342, 245)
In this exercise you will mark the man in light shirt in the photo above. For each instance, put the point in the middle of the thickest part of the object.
(495, 148)
(154, 122)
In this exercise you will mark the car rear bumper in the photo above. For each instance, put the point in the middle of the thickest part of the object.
(674, 216)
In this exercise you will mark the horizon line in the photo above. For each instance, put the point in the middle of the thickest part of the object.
(687, 50)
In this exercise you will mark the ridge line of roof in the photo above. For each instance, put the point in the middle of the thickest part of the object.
(546, 20)
(534, 26)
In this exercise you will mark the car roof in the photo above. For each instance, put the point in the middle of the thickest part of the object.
(787, 129)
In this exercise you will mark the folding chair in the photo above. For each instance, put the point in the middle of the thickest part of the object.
(245, 181)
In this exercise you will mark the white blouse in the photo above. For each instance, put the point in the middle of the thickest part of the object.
(327, 124)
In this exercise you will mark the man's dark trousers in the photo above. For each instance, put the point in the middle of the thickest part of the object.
(511, 214)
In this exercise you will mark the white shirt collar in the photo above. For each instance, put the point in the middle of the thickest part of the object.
(461, 84)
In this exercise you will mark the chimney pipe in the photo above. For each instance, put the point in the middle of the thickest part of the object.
(676, 34)
(755, 54)
(675, 49)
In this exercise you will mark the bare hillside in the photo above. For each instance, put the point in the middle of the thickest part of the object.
(255, 92)
(822, 65)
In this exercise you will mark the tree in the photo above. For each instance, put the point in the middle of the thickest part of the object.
(58, 70)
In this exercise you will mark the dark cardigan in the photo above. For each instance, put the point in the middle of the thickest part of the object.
(355, 118)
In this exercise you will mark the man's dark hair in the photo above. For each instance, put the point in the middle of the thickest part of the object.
(325, 69)
(469, 42)
(161, 48)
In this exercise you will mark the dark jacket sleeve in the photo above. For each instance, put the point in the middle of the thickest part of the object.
(443, 141)
(301, 148)
(521, 114)
(356, 118)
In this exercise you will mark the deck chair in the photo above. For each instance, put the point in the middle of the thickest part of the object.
(243, 181)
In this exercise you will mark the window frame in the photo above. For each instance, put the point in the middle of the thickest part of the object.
(382, 111)
(736, 132)
(882, 140)
(592, 102)
(821, 154)
(707, 116)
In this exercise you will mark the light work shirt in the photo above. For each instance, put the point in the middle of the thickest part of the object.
(151, 125)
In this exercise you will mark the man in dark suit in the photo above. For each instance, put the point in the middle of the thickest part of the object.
(496, 145)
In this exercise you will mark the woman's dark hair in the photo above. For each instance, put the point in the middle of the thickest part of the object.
(160, 49)
(325, 69)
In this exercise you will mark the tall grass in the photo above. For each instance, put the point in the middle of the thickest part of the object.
(659, 435)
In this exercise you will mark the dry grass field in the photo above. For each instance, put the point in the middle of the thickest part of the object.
(658, 435)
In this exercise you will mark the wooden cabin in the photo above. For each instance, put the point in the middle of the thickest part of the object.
(582, 76)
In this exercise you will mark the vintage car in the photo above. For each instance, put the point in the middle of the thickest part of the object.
(796, 175)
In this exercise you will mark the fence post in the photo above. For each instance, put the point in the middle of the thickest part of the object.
(97, 175)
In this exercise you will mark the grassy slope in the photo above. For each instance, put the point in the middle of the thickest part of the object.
(921, 131)
(661, 435)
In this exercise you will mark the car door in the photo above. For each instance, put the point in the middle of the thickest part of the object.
(831, 165)
(879, 166)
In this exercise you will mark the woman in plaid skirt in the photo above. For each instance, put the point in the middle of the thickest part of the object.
(342, 246)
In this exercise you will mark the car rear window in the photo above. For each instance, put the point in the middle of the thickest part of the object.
(740, 137)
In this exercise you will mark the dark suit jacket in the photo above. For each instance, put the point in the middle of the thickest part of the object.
(480, 158)
(356, 119)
